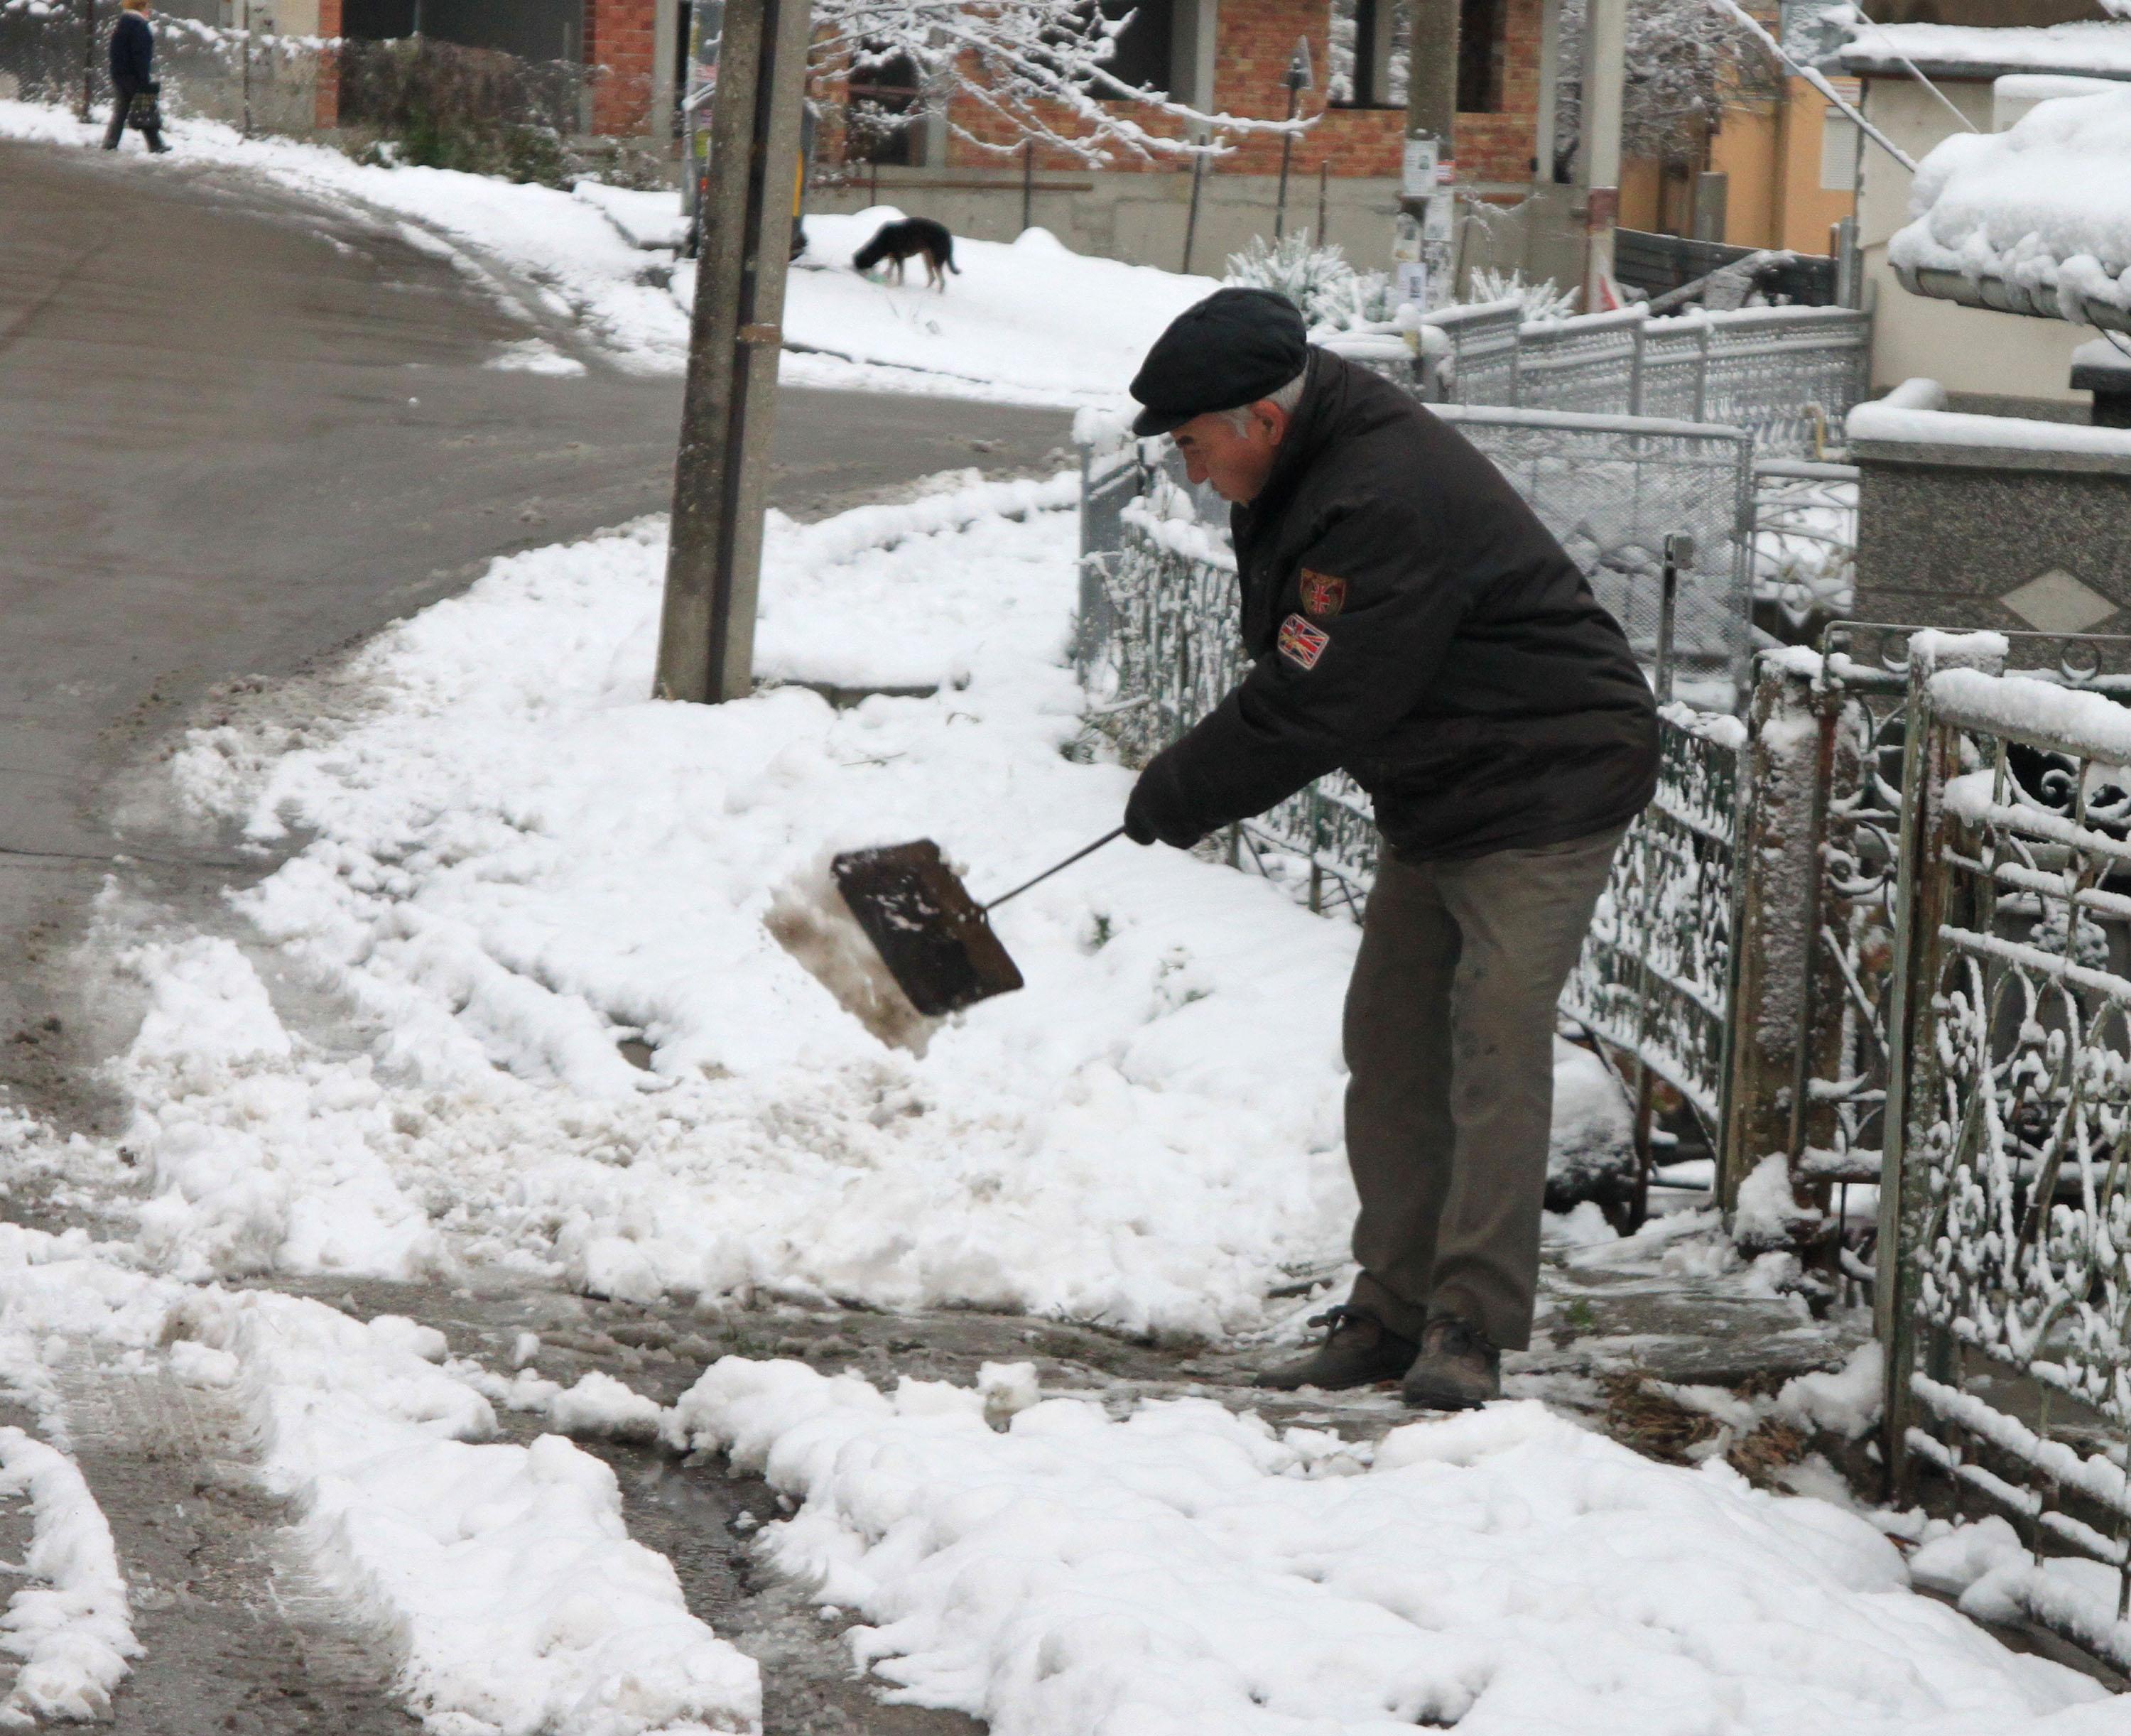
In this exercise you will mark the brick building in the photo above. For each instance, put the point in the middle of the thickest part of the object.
(1225, 56)
(1217, 57)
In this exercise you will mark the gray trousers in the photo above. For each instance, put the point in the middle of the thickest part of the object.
(1450, 1040)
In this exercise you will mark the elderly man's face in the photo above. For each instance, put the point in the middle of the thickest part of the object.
(1236, 461)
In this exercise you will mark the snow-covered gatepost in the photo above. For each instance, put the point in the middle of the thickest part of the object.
(1773, 1054)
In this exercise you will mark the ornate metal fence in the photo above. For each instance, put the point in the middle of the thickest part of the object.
(1787, 376)
(2008, 1208)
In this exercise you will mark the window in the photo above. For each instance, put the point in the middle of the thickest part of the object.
(884, 112)
(1140, 54)
(1481, 50)
(1838, 152)
(1366, 58)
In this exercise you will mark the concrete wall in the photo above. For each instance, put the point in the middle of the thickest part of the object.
(2012, 538)
(1970, 351)
(1141, 218)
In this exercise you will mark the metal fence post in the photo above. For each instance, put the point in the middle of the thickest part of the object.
(1930, 753)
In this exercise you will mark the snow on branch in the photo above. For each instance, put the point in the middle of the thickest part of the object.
(1036, 69)
(1682, 66)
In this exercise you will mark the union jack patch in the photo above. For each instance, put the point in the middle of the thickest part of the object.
(1301, 644)
(1322, 594)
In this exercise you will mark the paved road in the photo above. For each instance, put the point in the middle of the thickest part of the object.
(236, 431)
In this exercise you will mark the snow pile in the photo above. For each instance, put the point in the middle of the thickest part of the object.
(1996, 1579)
(505, 1573)
(2045, 205)
(1028, 322)
(72, 1630)
(1030, 313)
(519, 861)
(1184, 1570)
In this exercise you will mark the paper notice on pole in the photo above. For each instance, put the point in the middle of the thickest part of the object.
(1417, 170)
(1410, 283)
(1405, 240)
(1436, 225)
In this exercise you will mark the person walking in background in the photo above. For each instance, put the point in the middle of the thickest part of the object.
(133, 77)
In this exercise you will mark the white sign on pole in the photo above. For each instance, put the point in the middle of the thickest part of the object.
(1417, 170)
(1435, 224)
(1410, 279)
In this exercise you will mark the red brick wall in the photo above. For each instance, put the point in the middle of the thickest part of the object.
(327, 95)
(620, 40)
(1253, 44)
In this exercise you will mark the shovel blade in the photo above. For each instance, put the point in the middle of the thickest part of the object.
(930, 933)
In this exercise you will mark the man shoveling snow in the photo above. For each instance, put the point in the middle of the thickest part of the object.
(1413, 623)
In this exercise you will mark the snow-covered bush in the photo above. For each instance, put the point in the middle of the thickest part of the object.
(1541, 300)
(1333, 295)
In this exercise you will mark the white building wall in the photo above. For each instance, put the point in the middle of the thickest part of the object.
(1969, 350)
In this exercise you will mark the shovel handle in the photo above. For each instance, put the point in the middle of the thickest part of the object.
(1084, 850)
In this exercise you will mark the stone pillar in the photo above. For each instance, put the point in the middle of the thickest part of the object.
(1985, 522)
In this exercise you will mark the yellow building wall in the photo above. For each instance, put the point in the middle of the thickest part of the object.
(1642, 193)
(1771, 159)
(1745, 151)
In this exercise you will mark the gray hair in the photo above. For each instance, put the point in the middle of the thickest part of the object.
(1285, 400)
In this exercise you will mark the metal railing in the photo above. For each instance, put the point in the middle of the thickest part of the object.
(2006, 1216)
(1787, 376)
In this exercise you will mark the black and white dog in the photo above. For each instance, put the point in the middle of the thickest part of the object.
(908, 239)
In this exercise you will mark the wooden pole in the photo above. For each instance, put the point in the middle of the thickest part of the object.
(1431, 115)
(721, 474)
(1323, 198)
(1028, 184)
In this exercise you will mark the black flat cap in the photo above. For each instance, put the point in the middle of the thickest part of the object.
(1235, 347)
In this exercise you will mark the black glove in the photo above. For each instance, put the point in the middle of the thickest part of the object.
(1152, 814)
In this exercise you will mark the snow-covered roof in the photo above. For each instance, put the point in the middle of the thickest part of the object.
(1968, 51)
(2035, 219)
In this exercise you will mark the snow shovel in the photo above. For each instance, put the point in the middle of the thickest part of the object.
(930, 933)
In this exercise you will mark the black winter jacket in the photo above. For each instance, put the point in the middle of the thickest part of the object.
(1412, 621)
(132, 52)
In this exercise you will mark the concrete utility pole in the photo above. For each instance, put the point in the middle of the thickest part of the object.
(1599, 154)
(1422, 252)
(722, 476)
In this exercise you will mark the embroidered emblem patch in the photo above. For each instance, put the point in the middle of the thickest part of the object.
(1322, 594)
(1301, 644)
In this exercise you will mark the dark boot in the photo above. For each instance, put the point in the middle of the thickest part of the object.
(1359, 1350)
(1458, 1369)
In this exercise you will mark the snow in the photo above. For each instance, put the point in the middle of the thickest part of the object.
(1880, 421)
(2045, 205)
(1030, 313)
(1977, 50)
(1183, 1569)
(517, 859)
(503, 1575)
(1026, 322)
(71, 1629)
(2088, 724)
